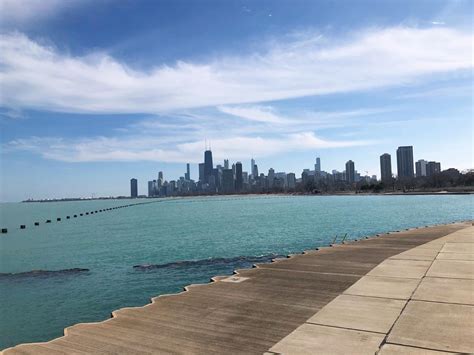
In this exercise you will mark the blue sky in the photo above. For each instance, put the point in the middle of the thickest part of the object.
(94, 93)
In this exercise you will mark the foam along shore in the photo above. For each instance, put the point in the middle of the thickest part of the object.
(253, 310)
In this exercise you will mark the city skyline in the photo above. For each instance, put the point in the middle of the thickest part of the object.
(85, 107)
(224, 179)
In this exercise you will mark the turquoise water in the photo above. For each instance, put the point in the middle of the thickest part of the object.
(186, 241)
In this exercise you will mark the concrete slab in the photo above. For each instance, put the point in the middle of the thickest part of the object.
(414, 269)
(317, 339)
(437, 326)
(391, 349)
(464, 248)
(360, 313)
(455, 256)
(462, 269)
(387, 287)
(417, 254)
(431, 246)
(436, 289)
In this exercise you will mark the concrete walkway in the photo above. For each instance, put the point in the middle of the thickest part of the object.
(420, 301)
(249, 312)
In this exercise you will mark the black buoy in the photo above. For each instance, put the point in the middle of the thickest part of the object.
(48, 221)
(87, 212)
(4, 230)
(67, 217)
(81, 214)
(58, 219)
(95, 211)
(37, 223)
(75, 216)
(22, 226)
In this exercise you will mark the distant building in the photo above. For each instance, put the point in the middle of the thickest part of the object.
(350, 172)
(201, 172)
(386, 168)
(317, 166)
(433, 168)
(226, 163)
(239, 180)
(187, 176)
(420, 168)
(291, 181)
(405, 167)
(228, 181)
(271, 177)
(133, 188)
(151, 189)
(208, 165)
(160, 179)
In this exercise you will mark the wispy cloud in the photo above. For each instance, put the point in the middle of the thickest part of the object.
(148, 148)
(41, 77)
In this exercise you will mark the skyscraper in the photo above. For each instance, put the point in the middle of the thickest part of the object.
(239, 180)
(350, 172)
(201, 172)
(228, 181)
(405, 162)
(291, 181)
(160, 179)
(208, 166)
(255, 171)
(151, 189)
(187, 176)
(133, 188)
(317, 166)
(271, 177)
(420, 168)
(433, 168)
(226, 163)
(386, 168)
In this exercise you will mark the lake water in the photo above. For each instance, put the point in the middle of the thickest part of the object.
(176, 243)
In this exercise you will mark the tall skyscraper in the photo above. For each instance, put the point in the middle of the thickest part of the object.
(386, 168)
(160, 179)
(420, 168)
(133, 188)
(226, 163)
(253, 169)
(201, 172)
(208, 165)
(187, 176)
(350, 172)
(151, 189)
(317, 166)
(239, 180)
(405, 162)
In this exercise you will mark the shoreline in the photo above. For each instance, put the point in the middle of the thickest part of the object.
(237, 277)
(342, 193)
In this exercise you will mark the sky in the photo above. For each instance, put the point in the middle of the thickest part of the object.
(96, 92)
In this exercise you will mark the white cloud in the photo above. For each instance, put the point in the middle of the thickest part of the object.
(40, 77)
(254, 113)
(139, 148)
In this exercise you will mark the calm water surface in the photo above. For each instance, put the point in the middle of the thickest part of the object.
(186, 241)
